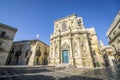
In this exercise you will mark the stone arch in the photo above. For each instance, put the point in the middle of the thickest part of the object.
(28, 55)
(17, 54)
(10, 56)
(45, 61)
(38, 54)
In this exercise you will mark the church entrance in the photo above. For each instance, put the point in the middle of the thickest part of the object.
(65, 56)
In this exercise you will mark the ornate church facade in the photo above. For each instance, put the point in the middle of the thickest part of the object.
(72, 44)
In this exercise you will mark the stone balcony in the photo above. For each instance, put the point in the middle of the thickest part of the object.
(6, 37)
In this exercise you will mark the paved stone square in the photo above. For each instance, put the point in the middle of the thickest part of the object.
(51, 73)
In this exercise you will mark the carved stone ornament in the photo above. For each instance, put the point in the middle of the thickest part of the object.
(84, 54)
(65, 46)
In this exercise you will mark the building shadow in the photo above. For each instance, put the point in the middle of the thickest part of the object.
(43, 77)
(78, 78)
(12, 71)
(28, 77)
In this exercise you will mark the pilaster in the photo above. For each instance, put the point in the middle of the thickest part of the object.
(79, 52)
(72, 61)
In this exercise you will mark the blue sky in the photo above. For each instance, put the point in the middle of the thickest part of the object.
(32, 17)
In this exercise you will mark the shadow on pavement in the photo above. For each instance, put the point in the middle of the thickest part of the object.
(28, 77)
(43, 77)
(12, 71)
(78, 78)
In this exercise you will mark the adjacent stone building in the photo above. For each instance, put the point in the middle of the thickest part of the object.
(7, 34)
(113, 35)
(28, 52)
(107, 55)
(72, 44)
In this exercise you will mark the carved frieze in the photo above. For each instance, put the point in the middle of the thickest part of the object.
(65, 46)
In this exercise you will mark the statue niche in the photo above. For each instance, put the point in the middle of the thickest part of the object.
(75, 49)
(56, 51)
(82, 48)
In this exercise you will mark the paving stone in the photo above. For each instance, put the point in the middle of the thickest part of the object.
(45, 73)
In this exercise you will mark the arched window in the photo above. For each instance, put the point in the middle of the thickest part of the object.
(17, 54)
(28, 55)
(38, 52)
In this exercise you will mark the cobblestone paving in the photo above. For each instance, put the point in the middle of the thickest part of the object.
(41, 73)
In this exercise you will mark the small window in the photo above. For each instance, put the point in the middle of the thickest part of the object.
(114, 32)
(109, 38)
(119, 27)
(2, 34)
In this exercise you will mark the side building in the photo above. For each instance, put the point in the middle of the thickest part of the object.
(72, 44)
(7, 34)
(28, 52)
(113, 35)
(107, 55)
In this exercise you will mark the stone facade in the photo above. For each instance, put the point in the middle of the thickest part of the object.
(72, 44)
(107, 55)
(113, 35)
(7, 34)
(28, 52)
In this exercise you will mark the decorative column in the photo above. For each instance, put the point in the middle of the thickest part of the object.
(79, 52)
(54, 52)
(59, 50)
(50, 54)
(33, 49)
(71, 61)
(89, 49)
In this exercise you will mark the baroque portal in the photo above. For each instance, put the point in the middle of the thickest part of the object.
(72, 44)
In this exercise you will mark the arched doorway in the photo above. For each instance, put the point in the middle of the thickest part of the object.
(27, 56)
(17, 54)
(38, 54)
(10, 56)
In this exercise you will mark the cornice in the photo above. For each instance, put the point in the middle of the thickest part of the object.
(8, 27)
(66, 33)
(66, 17)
